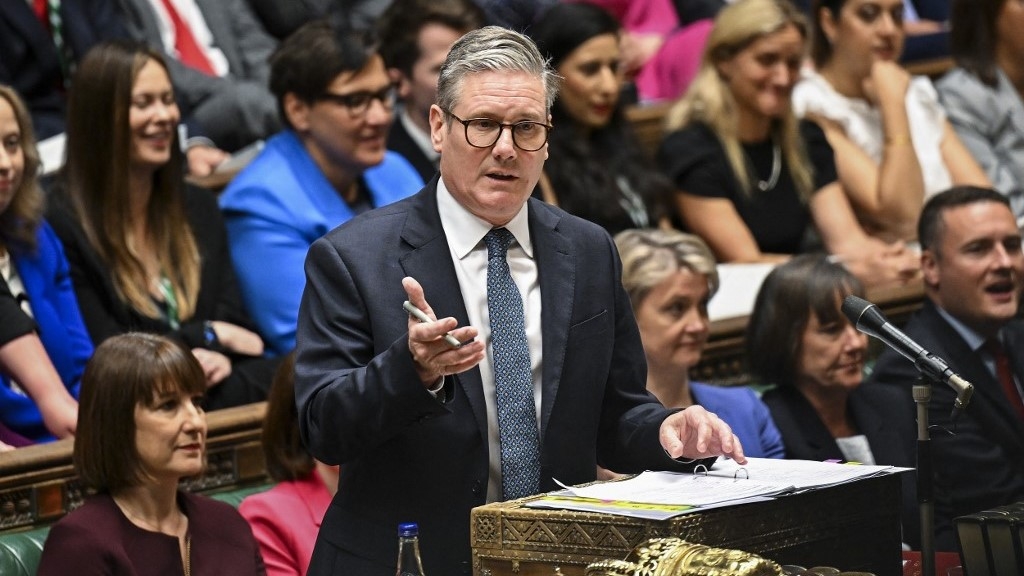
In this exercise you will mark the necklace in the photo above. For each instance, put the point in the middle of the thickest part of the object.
(773, 179)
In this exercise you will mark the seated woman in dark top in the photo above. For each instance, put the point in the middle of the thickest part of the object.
(799, 340)
(148, 253)
(750, 178)
(596, 168)
(141, 430)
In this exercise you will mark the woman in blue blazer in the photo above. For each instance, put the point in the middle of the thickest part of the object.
(670, 276)
(39, 405)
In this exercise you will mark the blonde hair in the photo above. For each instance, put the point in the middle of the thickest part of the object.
(650, 256)
(20, 221)
(710, 101)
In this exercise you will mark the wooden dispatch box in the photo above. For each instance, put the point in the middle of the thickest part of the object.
(853, 526)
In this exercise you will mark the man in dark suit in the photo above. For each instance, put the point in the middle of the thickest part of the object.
(31, 63)
(232, 106)
(415, 36)
(418, 425)
(973, 265)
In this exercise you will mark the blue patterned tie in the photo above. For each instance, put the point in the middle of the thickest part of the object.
(517, 415)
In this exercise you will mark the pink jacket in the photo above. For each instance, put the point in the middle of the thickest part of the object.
(285, 521)
(670, 70)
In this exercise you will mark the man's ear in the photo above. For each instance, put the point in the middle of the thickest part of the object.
(930, 268)
(438, 131)
(401, 81)
(296, 110)
(828, 22)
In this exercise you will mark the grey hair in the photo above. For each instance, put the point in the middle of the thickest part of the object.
(650, 256)
(492, 49)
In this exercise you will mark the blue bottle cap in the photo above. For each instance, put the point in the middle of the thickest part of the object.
(408, 529)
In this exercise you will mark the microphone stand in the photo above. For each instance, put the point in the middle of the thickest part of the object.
(922, 392)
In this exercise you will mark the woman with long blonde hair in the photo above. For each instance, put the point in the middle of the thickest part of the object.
(751, 179)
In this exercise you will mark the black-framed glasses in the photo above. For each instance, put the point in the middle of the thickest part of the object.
(527, 135)
(359, 102)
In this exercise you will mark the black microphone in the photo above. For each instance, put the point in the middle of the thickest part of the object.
(869, 320)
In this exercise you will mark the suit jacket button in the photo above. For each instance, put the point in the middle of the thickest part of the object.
(477, 488)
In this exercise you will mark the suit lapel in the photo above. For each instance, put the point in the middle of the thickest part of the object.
(428, 260)
(871, 423)
(140, 19)
(1014, 343)
(818, 441)
(24, 23)
(988, 405)
(556, 272)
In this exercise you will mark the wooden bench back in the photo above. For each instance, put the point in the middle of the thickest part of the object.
(38, 484)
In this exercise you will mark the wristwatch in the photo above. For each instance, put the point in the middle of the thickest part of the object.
(210, 341)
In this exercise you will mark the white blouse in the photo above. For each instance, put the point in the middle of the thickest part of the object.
(862, 123)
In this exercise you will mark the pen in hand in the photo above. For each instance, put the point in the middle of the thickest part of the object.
(419, 315)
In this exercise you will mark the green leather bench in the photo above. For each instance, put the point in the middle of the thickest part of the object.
(20, 551)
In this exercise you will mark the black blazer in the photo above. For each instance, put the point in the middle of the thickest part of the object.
(28, 57)
(878, 411)
(981, 464)
(881, 415)
(106, 314)
(404, 455)
(14, 323)
(400, 141)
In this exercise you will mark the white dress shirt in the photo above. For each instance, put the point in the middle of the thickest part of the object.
(191, 15)
(465, 233)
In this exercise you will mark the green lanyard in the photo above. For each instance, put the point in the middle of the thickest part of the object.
(64, 53)
(170, 301)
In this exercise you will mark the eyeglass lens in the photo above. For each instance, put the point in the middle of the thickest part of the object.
(483, 133)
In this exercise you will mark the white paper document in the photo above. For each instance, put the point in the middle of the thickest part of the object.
(666, 494)
(800, 474)
(681, 488)
(737, 288)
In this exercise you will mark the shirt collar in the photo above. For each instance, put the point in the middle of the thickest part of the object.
(974, 340)
(420, 138)
(465, 230)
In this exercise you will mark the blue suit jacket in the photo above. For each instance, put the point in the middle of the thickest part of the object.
(748, 416)
(47, 281)
(274, 209)
(406, 456)
(981, 466)
(28, 58)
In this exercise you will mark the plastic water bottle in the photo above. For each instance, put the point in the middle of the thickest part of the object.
(409, 563)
